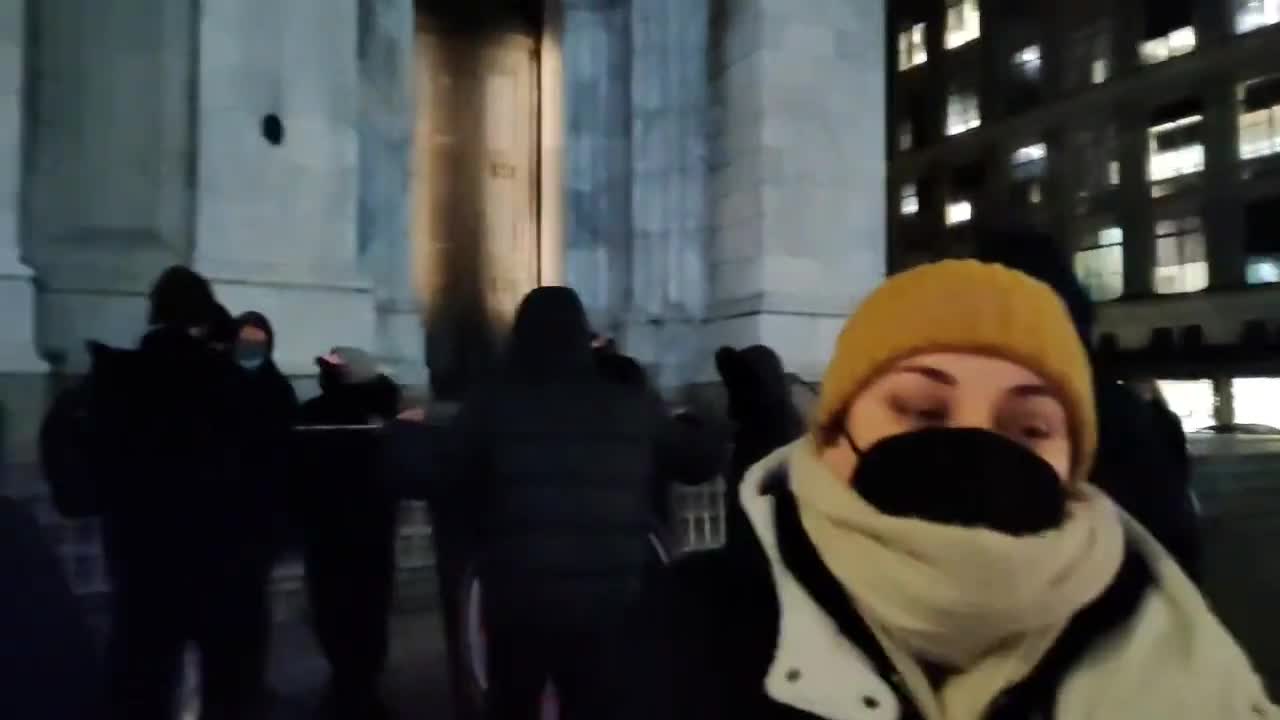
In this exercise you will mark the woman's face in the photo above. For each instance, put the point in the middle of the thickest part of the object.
(958, 390)
(250, 335)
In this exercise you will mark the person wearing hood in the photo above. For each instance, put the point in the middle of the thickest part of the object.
(554, 465)
(932, 547)
(1142, 463)
(349, 525)
(763, 415)
(180, 514)
(273, 406)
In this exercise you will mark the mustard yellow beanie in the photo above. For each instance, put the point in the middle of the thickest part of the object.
(965, 306)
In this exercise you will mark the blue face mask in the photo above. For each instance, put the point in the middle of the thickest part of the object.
(251, 356)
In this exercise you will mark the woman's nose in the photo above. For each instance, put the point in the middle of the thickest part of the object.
(972, 416)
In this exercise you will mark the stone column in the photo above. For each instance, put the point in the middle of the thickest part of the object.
(17, 291)
(279, 103)
(596, 56)
(386, 143)
(109, 163)
(669, 187)
(798, 172)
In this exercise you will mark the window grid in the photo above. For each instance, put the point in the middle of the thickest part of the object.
(1182, 260)
(1177, 42)
(1166, 161)
(1100, 265)
(963, 113)
(912, 47)
(964, 23)
(1254, 14)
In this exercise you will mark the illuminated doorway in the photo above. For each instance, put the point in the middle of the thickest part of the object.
(475, 189)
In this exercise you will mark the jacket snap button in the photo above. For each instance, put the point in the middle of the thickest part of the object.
(793, 675)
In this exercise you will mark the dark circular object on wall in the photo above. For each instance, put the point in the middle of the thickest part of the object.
(273, 128)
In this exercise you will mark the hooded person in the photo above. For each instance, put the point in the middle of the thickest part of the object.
(180, 514)
(273, 406)
(1142, 460)
(763, 415)
(553, 467)
(254, 352)
(348, 519)
(932, 547)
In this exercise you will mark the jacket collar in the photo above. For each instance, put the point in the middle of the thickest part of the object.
(816, 668)
(1176, 661)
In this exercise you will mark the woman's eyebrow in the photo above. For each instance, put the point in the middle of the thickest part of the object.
(929, 373)
(1031, 390)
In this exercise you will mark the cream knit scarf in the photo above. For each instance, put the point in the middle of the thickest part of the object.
(984, 605)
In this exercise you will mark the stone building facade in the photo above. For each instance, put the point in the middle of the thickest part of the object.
(703, 171)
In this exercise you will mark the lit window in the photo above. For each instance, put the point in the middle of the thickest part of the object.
(1175, 148)
(1262, 240)
(1262, 270)
(963, 113)
(1029, 163)
(909, 203)
(1030, 153)
(1177, 42)
(1259, 118)
(963, 23)
(1027, 61)
(1088, 55)
(959, 211)
(1256, 401)
(912, 50)
(1253, 14)
(1182, 259)
(906, 136)
(1192, 401)
(1100, 266)
(1034, 194)
(1113, 172)
(1099, 71)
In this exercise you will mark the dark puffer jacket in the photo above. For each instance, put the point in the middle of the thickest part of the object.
(556, 465)
(1140, 463)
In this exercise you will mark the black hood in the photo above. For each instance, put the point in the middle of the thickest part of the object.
(1036, 254)
(259, 321)
(222, 326)
(550, 336)
(181, 297)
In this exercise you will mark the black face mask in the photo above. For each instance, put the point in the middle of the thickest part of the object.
(961, 476)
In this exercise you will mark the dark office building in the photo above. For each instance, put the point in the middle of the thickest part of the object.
(1144, 136)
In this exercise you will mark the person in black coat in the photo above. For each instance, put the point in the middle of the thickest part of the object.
(349, 525)
(50, 668)
(1141, 463)
(553, 466)
(183, 520)
(763, 414)
(274, 409)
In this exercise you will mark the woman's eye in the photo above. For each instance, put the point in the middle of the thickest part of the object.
(1035, 432)
(931, 415)
(927, 414)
